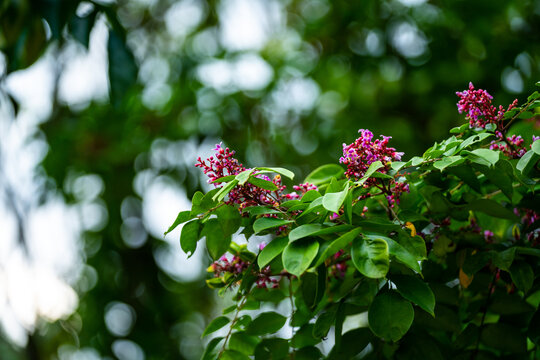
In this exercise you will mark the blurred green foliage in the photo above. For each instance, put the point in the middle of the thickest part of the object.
(332, 68)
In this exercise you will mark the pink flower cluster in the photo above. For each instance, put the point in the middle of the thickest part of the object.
(513, 147)
(234, 266)
(302, 188)
(364, 151)
(476, 104)
(237, 266)
(224, 164)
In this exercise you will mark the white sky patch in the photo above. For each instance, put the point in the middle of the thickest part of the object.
(84, 77)
(184, 16)
(248, 24)
(33, 87)
(247, 72)
(162, 201)
(408, 40)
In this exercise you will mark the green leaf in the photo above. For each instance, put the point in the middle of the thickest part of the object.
(448, 161)
(182, 217)
(370, 256)
(217, 242)
(338, 244)
(333, 201)
(244, 176)
(324, 174)
(266, 223)
(353, 342)
(415, 290)
(315, 230)
(486, 156)
(535, 95)
(492, 208)
(122, 67)
(261, 210)
(224, 179)
(266, 323)
(324, 322)
(215, 325)
(503, 260)
(527, 161)
(522, 275)
(224, 190)
(190, 236)
(390, 316)
(397, 165)
(401, 254)
(261, 183)
(287, 173)
(466, 173)
(80, 27)
(209, 353)
(536, 147)
(272, 349)
(270, 251)
(501, 176)
(505, 337)
(243, 343)
(374, 166)
(298, 255)
(533, 330)
(233, 355)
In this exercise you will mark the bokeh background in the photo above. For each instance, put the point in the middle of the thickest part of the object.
(105, 106)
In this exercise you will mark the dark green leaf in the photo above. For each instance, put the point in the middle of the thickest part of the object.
(261, 183)
(272, 349)
(401, 254)
(190, 236)
(390, 316)
(217, 242)
(324, 322)
(209, 353)
(266, 223)
(324, 174)
(353, 342)
(370, 256)
(215, 325)
(492, 208)
(270, 251)
(315, 230)
(415, 290)
(243, 343)
(338, 244)
(182, 217)
(522, 275)
(533, 330)
(504, 337)
(233, 355)
(266, 323)
(298, 255)
(80, 27)
(122, 67)
(304, 337)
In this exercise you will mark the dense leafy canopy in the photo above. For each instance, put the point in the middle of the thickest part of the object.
(449, 258)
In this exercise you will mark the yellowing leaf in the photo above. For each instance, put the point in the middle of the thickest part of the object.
(409, 225)
(464, 279)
